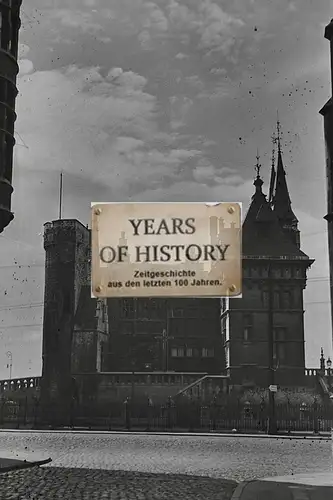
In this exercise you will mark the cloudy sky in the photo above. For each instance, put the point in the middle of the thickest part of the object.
(164, 100)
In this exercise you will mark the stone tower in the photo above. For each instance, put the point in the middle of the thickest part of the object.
(9, 31)
(67, 248)
(75, 326)
(327, 113)
(263, 332)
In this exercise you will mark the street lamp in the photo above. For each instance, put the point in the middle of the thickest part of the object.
(10, 364)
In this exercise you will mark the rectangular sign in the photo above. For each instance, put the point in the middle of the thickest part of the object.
(273, 388)
(166, 250)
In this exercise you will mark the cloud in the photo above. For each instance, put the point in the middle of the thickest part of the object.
(78, 115)
(195, 82)
(181, 56)
(218, 91)
(194, 191)
(145, 40)
(218, 71)
(102, 129)
(156, 21)
(292, 6)
(23, 50)
(179, 109)
(217, 30)
(105, 39)
(26, 67)
(204, 173)
(126, 79)
(79, 19)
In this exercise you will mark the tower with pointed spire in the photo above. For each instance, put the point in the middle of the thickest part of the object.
(281, 202)
(264, 330)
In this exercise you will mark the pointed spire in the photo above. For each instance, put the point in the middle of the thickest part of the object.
(258, 198)
(278, 132)
(281, 199)
(273, 172)
(281, 202)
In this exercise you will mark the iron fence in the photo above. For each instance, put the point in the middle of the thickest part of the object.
(182, 416)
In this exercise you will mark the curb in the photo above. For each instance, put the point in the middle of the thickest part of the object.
(320, 437)
(237, 495)
(276, 491)
(23, 464)
(281, 489)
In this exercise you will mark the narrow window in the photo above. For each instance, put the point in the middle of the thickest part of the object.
(247, 327)
(174, 352)
(277, 300)
(265, 298)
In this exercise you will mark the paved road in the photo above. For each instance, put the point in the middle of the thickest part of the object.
(218, 457)
(86, 484)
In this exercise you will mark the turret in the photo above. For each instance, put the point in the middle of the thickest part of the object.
(9, 30)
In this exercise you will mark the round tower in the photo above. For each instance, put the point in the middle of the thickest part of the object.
(10, 25)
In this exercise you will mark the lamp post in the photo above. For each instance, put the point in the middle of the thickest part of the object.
(10, 364)
(272, 427)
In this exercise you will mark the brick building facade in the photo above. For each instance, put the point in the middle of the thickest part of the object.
(165, 334)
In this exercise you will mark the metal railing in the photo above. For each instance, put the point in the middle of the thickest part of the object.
(186, 415)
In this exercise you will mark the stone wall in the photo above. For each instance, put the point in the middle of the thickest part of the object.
(103, 389)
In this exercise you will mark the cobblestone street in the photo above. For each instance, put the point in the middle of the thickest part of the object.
(53, 483)
(88, 466)
(220, 457)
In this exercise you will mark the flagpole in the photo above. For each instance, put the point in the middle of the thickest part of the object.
(60, 197)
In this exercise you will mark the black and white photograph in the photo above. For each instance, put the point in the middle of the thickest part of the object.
(166, 249)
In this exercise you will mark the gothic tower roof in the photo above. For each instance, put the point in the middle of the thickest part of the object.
(262, 231)
(281, 199)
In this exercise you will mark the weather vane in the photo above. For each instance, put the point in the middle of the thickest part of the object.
(278, 132)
